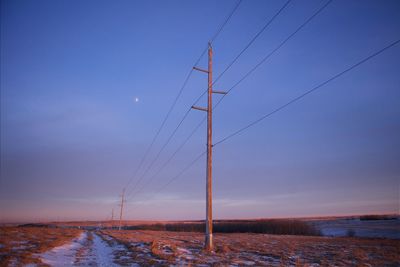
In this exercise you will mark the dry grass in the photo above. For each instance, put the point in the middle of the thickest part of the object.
(260, 249)
(18, 245)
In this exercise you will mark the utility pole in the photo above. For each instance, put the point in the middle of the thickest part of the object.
(112, 218)
(209, 226)
(122, 208)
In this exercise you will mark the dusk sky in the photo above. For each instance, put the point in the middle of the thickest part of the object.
(85, 85)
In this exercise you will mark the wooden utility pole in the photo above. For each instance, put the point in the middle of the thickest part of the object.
(209, 240)
(209, 225)
(122, 208)
(112, 218)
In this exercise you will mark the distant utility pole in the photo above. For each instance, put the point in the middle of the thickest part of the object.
(112, 218)
(122, 208)
(209, 226)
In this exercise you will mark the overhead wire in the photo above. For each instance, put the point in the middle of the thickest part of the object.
(263, 28)
(306, 93)
(252, 40)
(274, 50)
(165, 119)
(174, 104)
(254, 68)
(280, 108)
(169, 159)
(173, 178)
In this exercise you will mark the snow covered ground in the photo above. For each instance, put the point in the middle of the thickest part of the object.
(89, 249)
(162, 248)
(65, 254)
(62, 247)
(356, 227)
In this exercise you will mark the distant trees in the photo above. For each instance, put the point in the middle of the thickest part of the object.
(377, 217)
(279, 227)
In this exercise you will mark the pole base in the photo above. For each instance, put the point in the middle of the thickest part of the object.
(209, 242)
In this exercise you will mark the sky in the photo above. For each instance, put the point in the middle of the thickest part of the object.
(85, 85)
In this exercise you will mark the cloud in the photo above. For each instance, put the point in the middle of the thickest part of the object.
(88, 200)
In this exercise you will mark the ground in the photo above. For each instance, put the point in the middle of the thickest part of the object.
(55, 247)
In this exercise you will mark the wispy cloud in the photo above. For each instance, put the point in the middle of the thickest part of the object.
(88, 200)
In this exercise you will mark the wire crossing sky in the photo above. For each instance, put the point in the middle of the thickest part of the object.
(236, 84)
(277, 110)
(173, 105)
(92, 92)
(198, 99)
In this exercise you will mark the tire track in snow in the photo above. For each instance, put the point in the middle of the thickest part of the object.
(89, 249)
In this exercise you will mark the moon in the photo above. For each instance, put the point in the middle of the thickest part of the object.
(136, 99)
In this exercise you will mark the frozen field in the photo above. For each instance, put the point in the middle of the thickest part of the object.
(61, 247)
(359, 228)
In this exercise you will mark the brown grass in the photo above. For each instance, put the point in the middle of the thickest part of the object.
(161, 248)
(263, 249)
(20, 244)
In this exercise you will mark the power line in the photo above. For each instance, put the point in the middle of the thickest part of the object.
(164, 121)
(271, 53)
(280, 108)
(249, 72)
(188, 166)
(224, 23)
(306, 93)
(220, 75)
(275, 50)
(252, 41)
(246, 47)
(169, 159)
(268, 55)
(159, 152)
(174, 104)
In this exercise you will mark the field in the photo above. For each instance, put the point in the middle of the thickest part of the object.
(19, 245)
(58, 246)
(379, 228)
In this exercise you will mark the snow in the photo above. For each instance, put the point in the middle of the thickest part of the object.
(371, 229)
(183, 250)
(18, 242)
(102, 251)
(243, 262)
(83, 251)
(63, 255)
(185, 254)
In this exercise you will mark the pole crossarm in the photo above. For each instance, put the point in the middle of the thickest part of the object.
(200, 108)
(196, 68)
(220, 92)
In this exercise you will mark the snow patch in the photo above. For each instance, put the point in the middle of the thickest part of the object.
(65, 254)
(103, 252)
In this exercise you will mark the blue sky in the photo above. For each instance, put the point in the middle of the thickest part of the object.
(72, 133)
